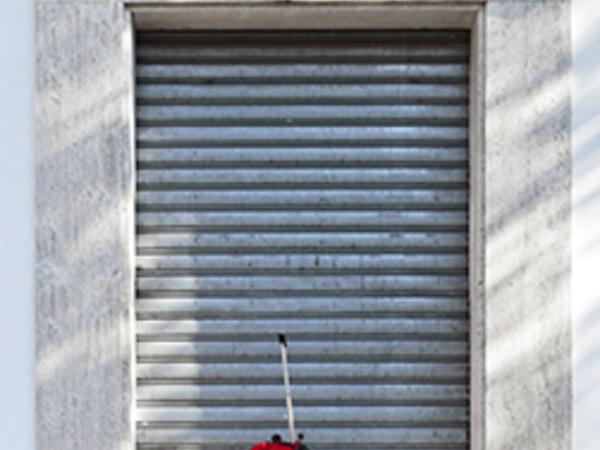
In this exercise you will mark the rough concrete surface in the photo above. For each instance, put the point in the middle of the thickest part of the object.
(82, 172)
(528, 398)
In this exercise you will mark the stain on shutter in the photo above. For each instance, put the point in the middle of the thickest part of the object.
(315, 184)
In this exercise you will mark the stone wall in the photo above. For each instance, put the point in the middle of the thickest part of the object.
(83, 201)
(527, 215)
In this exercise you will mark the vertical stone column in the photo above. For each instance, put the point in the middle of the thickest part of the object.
(528, 241)
(83, 202)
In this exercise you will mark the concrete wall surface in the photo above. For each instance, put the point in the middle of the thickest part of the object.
(527, 203)
(84, 239)
(82, 202)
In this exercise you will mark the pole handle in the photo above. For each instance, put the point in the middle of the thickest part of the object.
(288, 392)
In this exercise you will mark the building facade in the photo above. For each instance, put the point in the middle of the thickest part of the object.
(531, 201)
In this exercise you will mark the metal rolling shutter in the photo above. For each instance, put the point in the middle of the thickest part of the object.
(311, 183)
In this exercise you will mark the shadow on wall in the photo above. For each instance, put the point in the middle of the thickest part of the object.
(83, 280)
(528, 205)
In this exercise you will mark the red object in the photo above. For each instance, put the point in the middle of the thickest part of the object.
(272, 446)
(262, 446)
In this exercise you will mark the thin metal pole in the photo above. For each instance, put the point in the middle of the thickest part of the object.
(288, 392)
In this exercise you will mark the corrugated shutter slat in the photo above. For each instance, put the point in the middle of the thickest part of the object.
(313, 184)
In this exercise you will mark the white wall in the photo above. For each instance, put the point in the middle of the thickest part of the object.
(586, 222)
(17, 386)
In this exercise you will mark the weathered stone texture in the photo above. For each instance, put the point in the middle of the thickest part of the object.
(527, 125)
(83, 270)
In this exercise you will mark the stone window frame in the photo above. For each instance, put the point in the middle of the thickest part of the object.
(369, 16)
